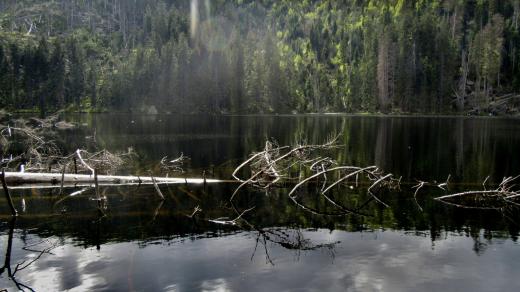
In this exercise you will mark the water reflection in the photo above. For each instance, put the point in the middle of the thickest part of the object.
(425, 148)
(375, 261)
(136, 248)
(136, 213)
(144, 244)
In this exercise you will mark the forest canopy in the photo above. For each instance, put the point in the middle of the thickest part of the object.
(243, 56)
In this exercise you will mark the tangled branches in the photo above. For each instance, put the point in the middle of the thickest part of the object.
(28, 146)
(103, 161)
(24, 147)
(420, 184)
(175, 165)
(506, 194)
(276, 163)
(303, 164)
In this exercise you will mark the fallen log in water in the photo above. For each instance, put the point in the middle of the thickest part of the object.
(19, 178)
(506, 194)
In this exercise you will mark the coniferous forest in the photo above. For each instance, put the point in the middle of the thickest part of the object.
(242, 56)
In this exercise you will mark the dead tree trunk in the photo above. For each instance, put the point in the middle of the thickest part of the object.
(461, 91)
(56, 178)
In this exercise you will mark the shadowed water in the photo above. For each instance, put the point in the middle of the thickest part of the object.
(145, 245)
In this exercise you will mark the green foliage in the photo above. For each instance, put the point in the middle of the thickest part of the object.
(256, 56)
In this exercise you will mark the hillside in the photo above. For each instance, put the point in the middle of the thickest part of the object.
(240, 56)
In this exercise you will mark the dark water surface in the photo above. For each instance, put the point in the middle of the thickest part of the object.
(144, 244)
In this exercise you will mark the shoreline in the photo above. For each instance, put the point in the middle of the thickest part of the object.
(310, 114)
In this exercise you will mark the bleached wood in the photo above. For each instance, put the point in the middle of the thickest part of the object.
(55, 178)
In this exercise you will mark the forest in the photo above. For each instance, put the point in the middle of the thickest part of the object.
(269, 56)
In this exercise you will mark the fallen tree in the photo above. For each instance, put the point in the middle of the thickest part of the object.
(31, 159)
(41, 165)
(17, 178)
(303, 163)
(505, 195)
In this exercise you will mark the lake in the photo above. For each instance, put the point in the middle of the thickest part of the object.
(144, 244)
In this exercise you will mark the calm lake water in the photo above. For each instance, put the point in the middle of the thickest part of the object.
(144, 244)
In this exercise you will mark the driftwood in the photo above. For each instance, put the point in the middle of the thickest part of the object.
(78, 153)
(420, 184)
(29, 145)
(36, 151)
(42, 164)
(505, 195)
(292, 164)
(17, 178)
(176, 164)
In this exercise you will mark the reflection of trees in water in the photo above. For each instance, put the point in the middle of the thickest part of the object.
(415, 149)
(459, 147)
(132, 215)
(428, 148)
